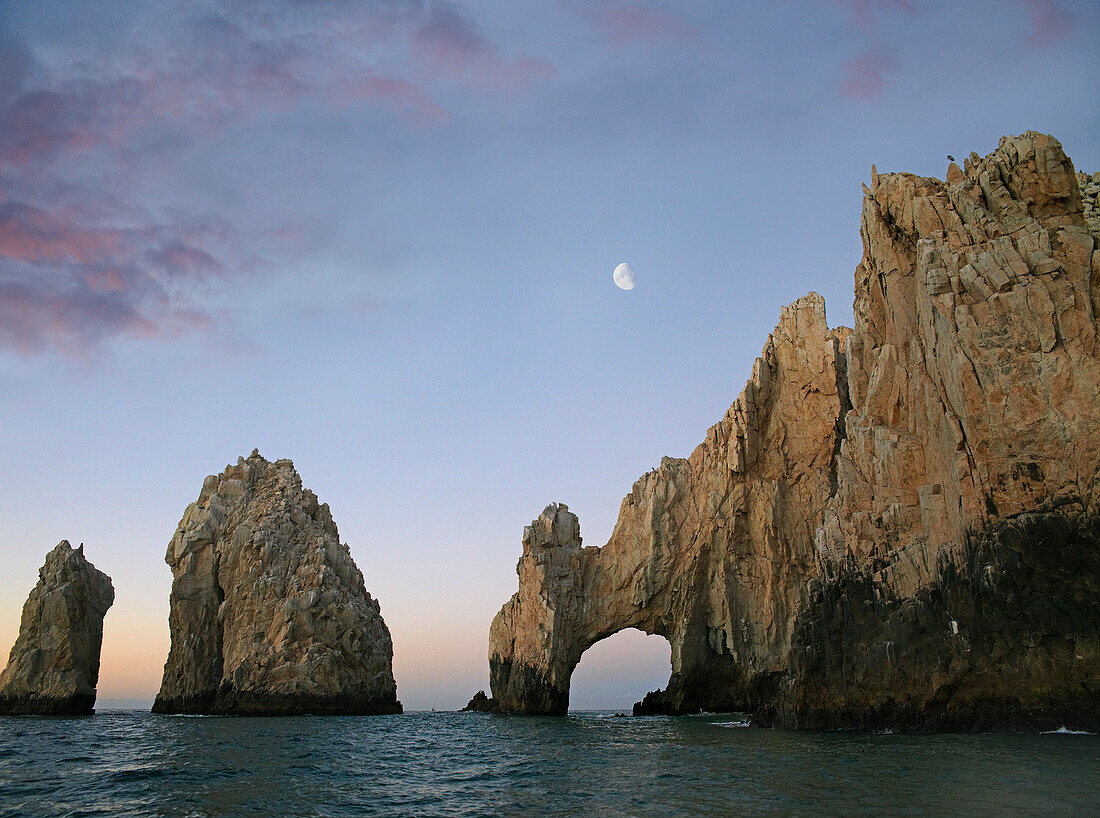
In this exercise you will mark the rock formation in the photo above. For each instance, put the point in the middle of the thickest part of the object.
(895, 525)
(269, 614)
(54, 665)
(480, 703)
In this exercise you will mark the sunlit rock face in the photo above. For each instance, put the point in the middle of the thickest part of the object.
(712, 552)
(895, 525)
(269, 614)
(54, 665)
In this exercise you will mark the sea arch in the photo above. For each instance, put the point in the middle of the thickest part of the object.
(713, 552)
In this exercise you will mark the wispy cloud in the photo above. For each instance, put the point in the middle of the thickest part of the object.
(1050, 22)
(628, 22)
(82, 258)
(868, 14)
(68, 283)
(406, 97)
(448, 42)
(865, 76)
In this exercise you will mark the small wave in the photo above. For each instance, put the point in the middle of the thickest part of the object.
(137, 774)
(730, 724)
(1065, 731)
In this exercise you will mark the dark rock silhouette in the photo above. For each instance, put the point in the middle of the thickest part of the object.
(481, 703)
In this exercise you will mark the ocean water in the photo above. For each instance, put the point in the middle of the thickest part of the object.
(467, 764)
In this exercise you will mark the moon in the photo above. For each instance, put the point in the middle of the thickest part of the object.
(623, 277)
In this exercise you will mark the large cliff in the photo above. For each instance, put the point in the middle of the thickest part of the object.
(894, 525)
(54, 665)
(269, 614)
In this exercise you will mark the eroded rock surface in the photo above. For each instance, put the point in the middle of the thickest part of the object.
(895, 525)
(269, 614)
(54, 665)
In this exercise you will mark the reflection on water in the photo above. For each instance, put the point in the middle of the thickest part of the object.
(458, 764)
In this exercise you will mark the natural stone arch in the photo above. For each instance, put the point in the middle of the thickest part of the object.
(712, 552)
(896, 525)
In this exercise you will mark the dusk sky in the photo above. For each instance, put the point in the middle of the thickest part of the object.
(378, 238)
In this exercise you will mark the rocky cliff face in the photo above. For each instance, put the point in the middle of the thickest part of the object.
(54, 665)
(893, 525)
(269, 614)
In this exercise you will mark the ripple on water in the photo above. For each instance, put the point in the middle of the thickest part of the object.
(470, 764)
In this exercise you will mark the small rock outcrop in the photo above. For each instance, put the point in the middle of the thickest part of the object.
(654, 703)
(54, 665)
(481, 703)
(269, 614)
(896, 525)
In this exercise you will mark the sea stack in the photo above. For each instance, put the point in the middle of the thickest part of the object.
(54, 665)
(893, 526)
(269, 614)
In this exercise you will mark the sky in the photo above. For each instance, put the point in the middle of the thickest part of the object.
(377, 239)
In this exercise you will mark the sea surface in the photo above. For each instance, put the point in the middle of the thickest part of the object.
(467, 764)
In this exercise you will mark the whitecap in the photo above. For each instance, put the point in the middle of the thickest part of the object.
(1065, 731)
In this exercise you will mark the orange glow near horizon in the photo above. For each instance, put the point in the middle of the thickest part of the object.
(439, 667)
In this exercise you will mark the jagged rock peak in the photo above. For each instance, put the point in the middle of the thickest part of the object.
(480, 703)
(54, 665)
(895, 525)
(269, 613)
(556, 526)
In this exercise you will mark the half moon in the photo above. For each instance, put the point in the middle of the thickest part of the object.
(623, 277)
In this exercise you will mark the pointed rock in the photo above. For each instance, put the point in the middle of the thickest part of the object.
(269, 614)
(54, 665)
(480, 703)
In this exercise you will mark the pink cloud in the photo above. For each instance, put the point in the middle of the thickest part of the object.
(42, 123)
(177, 258)
(866, 14)
(628, 22)
(70, 321)
(865, 76)
(68, 284)
(109, 280)
(1050, 22)
(407, 97)
(79, 266)
(33, 235)
(448, 40)
(448, 44)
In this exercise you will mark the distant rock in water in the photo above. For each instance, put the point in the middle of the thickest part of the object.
(655, 703)
(481, 703)
(54, 665)
(269, 614)
(896, 525)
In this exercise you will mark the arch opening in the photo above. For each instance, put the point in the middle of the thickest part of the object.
(619, 670)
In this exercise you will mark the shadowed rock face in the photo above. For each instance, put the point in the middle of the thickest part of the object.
(269, 614)
(480, 703)
(54, 664)
(894, 525)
